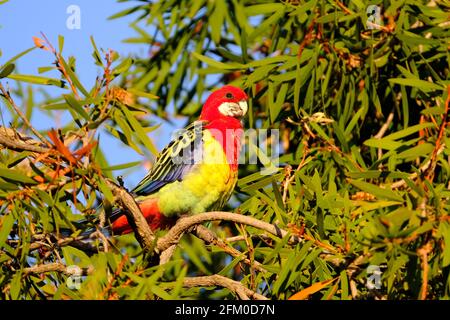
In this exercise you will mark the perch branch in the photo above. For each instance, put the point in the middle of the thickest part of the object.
(165, 256)
(185, 223)
(135, 218)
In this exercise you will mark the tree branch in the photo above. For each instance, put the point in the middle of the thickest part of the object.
(135, 217)
(243, 292)
(14, 141)
(58, 267)
(185, 223)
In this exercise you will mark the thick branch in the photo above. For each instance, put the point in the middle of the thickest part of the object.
(185, 223)
(135, 217)
(217, 280)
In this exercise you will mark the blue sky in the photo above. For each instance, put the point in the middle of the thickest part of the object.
(20, 20)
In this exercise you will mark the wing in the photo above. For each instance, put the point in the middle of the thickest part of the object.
(175, 160)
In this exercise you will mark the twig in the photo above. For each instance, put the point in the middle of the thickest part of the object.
(251, 255)
(423, 252)
(116, 274)
(211, 238)
(75, 242)
(383, 130)
(18, 143)
(185, 223)
(243, 292)
(58, 267)
(8, 97)
(307, 39)
(385, 126)
(241, 238)
(343, 7)
(444, 123)
(423, 168)
(60, 66)
(290, 177)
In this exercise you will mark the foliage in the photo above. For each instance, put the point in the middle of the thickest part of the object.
(363, 176)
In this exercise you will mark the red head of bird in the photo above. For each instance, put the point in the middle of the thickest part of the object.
(227, 104)
(224, 110)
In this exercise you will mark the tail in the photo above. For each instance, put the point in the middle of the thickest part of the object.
(66, 232)
(118, 222)
(150, 209)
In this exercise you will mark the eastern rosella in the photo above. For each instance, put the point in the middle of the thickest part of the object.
(196, 172)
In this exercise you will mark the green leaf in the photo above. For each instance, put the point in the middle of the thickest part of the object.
(96, 53)
(60, 43)
(421, 150)
(344, 285)
(444, 229)
(45, 69)
(6, 226)
(15, 175)
(78, 108)
(385, 144)
(140, 132)
(275, 107)
(216, 19)
(388, 143)
(7, 70)
(423, 85)
(10, 61)
(217, 64)
(123, 66)
(408, 131)
(143, 94)
(15, 285)
(73, 77)
(121, 166)
(37, 80)
(263, 9)
(376, 191)
(287, 268)
(263, 27)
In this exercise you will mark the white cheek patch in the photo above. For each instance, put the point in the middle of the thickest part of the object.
(226, 108)
(232, 109)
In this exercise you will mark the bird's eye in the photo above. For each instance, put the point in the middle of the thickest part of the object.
(229, 95)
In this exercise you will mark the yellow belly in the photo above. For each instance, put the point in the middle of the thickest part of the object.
(207, 187)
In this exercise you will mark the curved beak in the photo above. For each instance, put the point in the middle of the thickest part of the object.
(244, 108)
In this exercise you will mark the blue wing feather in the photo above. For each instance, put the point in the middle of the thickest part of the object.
(175, 161)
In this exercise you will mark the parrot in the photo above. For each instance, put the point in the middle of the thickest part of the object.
(197, 171)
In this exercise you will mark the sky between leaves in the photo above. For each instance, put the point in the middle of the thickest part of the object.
(20, 20)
